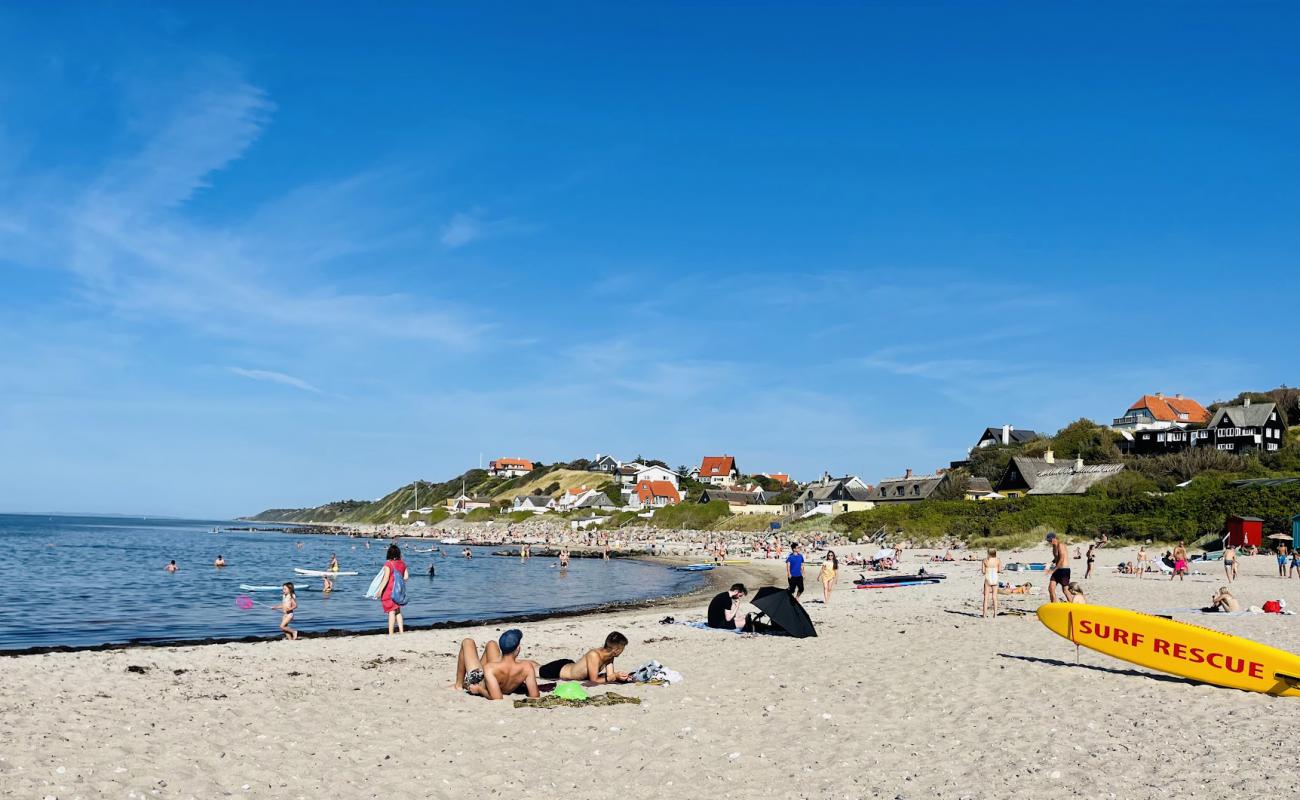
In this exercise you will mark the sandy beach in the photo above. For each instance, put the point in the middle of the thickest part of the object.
(905, 693)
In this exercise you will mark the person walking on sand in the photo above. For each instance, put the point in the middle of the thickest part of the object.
(1092, 557)
(288, 604)
(1141, 564)
(1060, 568)
(794, 571)
(1230, 563)
(1180, 562)
(393, 566)
(1281, 561)
(990, 567)
(830, 569)
(1295, 563)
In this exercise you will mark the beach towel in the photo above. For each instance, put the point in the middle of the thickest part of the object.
(704, 626)
(551, 701)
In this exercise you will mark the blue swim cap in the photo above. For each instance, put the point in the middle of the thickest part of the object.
(510, 640)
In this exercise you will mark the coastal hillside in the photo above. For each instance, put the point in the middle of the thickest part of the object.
(543, 479)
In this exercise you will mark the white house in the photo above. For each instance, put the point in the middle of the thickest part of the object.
(509, 467)
(536, 503)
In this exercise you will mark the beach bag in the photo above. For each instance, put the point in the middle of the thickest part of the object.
(398, 594)
(1272, 607)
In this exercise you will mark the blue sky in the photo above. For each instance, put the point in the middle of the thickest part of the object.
(271, 255)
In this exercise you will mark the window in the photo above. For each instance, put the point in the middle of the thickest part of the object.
(1228, 446)
(1160, 437)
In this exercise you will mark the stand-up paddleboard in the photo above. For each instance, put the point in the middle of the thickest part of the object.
(696, 567)
(896, 584)
(880, 579)
(320, 573)
(250, 588)
(376, 585)
(1177, 648)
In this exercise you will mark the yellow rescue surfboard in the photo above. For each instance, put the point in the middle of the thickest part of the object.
(1189, 651)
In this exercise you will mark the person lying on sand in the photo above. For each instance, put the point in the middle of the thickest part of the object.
(499, 672)
(597, 665)
(1022, 588)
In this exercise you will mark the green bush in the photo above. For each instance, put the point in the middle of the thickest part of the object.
(691, 516)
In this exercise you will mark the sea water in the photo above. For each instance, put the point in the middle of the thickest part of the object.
(78, 581)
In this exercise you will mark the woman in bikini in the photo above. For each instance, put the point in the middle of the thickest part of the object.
(990, 567)
(830, 568)
(1092, 556)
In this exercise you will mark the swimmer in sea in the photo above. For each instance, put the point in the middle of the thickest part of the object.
(334, 562)
(220, 562)
(171, 566)
(328, 584)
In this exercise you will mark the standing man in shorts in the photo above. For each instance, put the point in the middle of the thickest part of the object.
(1180, 562)
(1060, 568)
(794, 570)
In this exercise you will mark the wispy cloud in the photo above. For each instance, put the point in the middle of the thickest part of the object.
(465, 228)
(138, 253)
(270, 376)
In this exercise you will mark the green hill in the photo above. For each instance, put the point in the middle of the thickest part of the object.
(476, 482)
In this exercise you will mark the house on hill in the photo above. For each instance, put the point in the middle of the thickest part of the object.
(834, 496)
(780, 477)
(1246, 427)
(464, 503)
(908, 489)
(1047, 476)
(605, 463)
(535, 503)
(1006, 435)
(509, 467)
(1157, 412)
(654, 494)
(1234, 429)
(716, 470)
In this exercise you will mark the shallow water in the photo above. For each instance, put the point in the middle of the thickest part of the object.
(94, 580)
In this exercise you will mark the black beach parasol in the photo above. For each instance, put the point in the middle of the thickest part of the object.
(784, 611)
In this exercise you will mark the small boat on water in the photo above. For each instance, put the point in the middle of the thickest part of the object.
(450, 540)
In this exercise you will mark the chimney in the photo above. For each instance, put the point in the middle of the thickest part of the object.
(909, 473)
(1006, 434)
(1049, 457)
(1078, 464)
(1178, 396)
(1160, 395)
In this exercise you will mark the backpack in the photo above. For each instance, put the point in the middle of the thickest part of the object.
(398, 593)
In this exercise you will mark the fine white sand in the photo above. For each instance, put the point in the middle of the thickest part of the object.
(905, 693)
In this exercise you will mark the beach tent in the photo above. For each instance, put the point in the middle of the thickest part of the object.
(785, 612)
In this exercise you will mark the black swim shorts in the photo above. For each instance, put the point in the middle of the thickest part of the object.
(1061, 576)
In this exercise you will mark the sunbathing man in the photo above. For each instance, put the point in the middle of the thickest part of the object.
(499, 672)
(597, 665)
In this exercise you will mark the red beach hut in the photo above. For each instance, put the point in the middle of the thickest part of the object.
(1244, 531)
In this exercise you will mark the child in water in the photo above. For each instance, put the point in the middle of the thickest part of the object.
(288, 604)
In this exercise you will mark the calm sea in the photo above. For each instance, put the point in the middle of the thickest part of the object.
(94, 580)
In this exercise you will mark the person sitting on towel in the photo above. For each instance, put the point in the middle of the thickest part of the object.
(1223, 602)
(596, 666)
(724, 609)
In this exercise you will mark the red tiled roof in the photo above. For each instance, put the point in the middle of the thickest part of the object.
(779, 477)
(1169, 409)
(717, 465)
(512, 463)
(648, 490)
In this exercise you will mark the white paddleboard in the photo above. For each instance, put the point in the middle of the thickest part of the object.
(320, 573)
